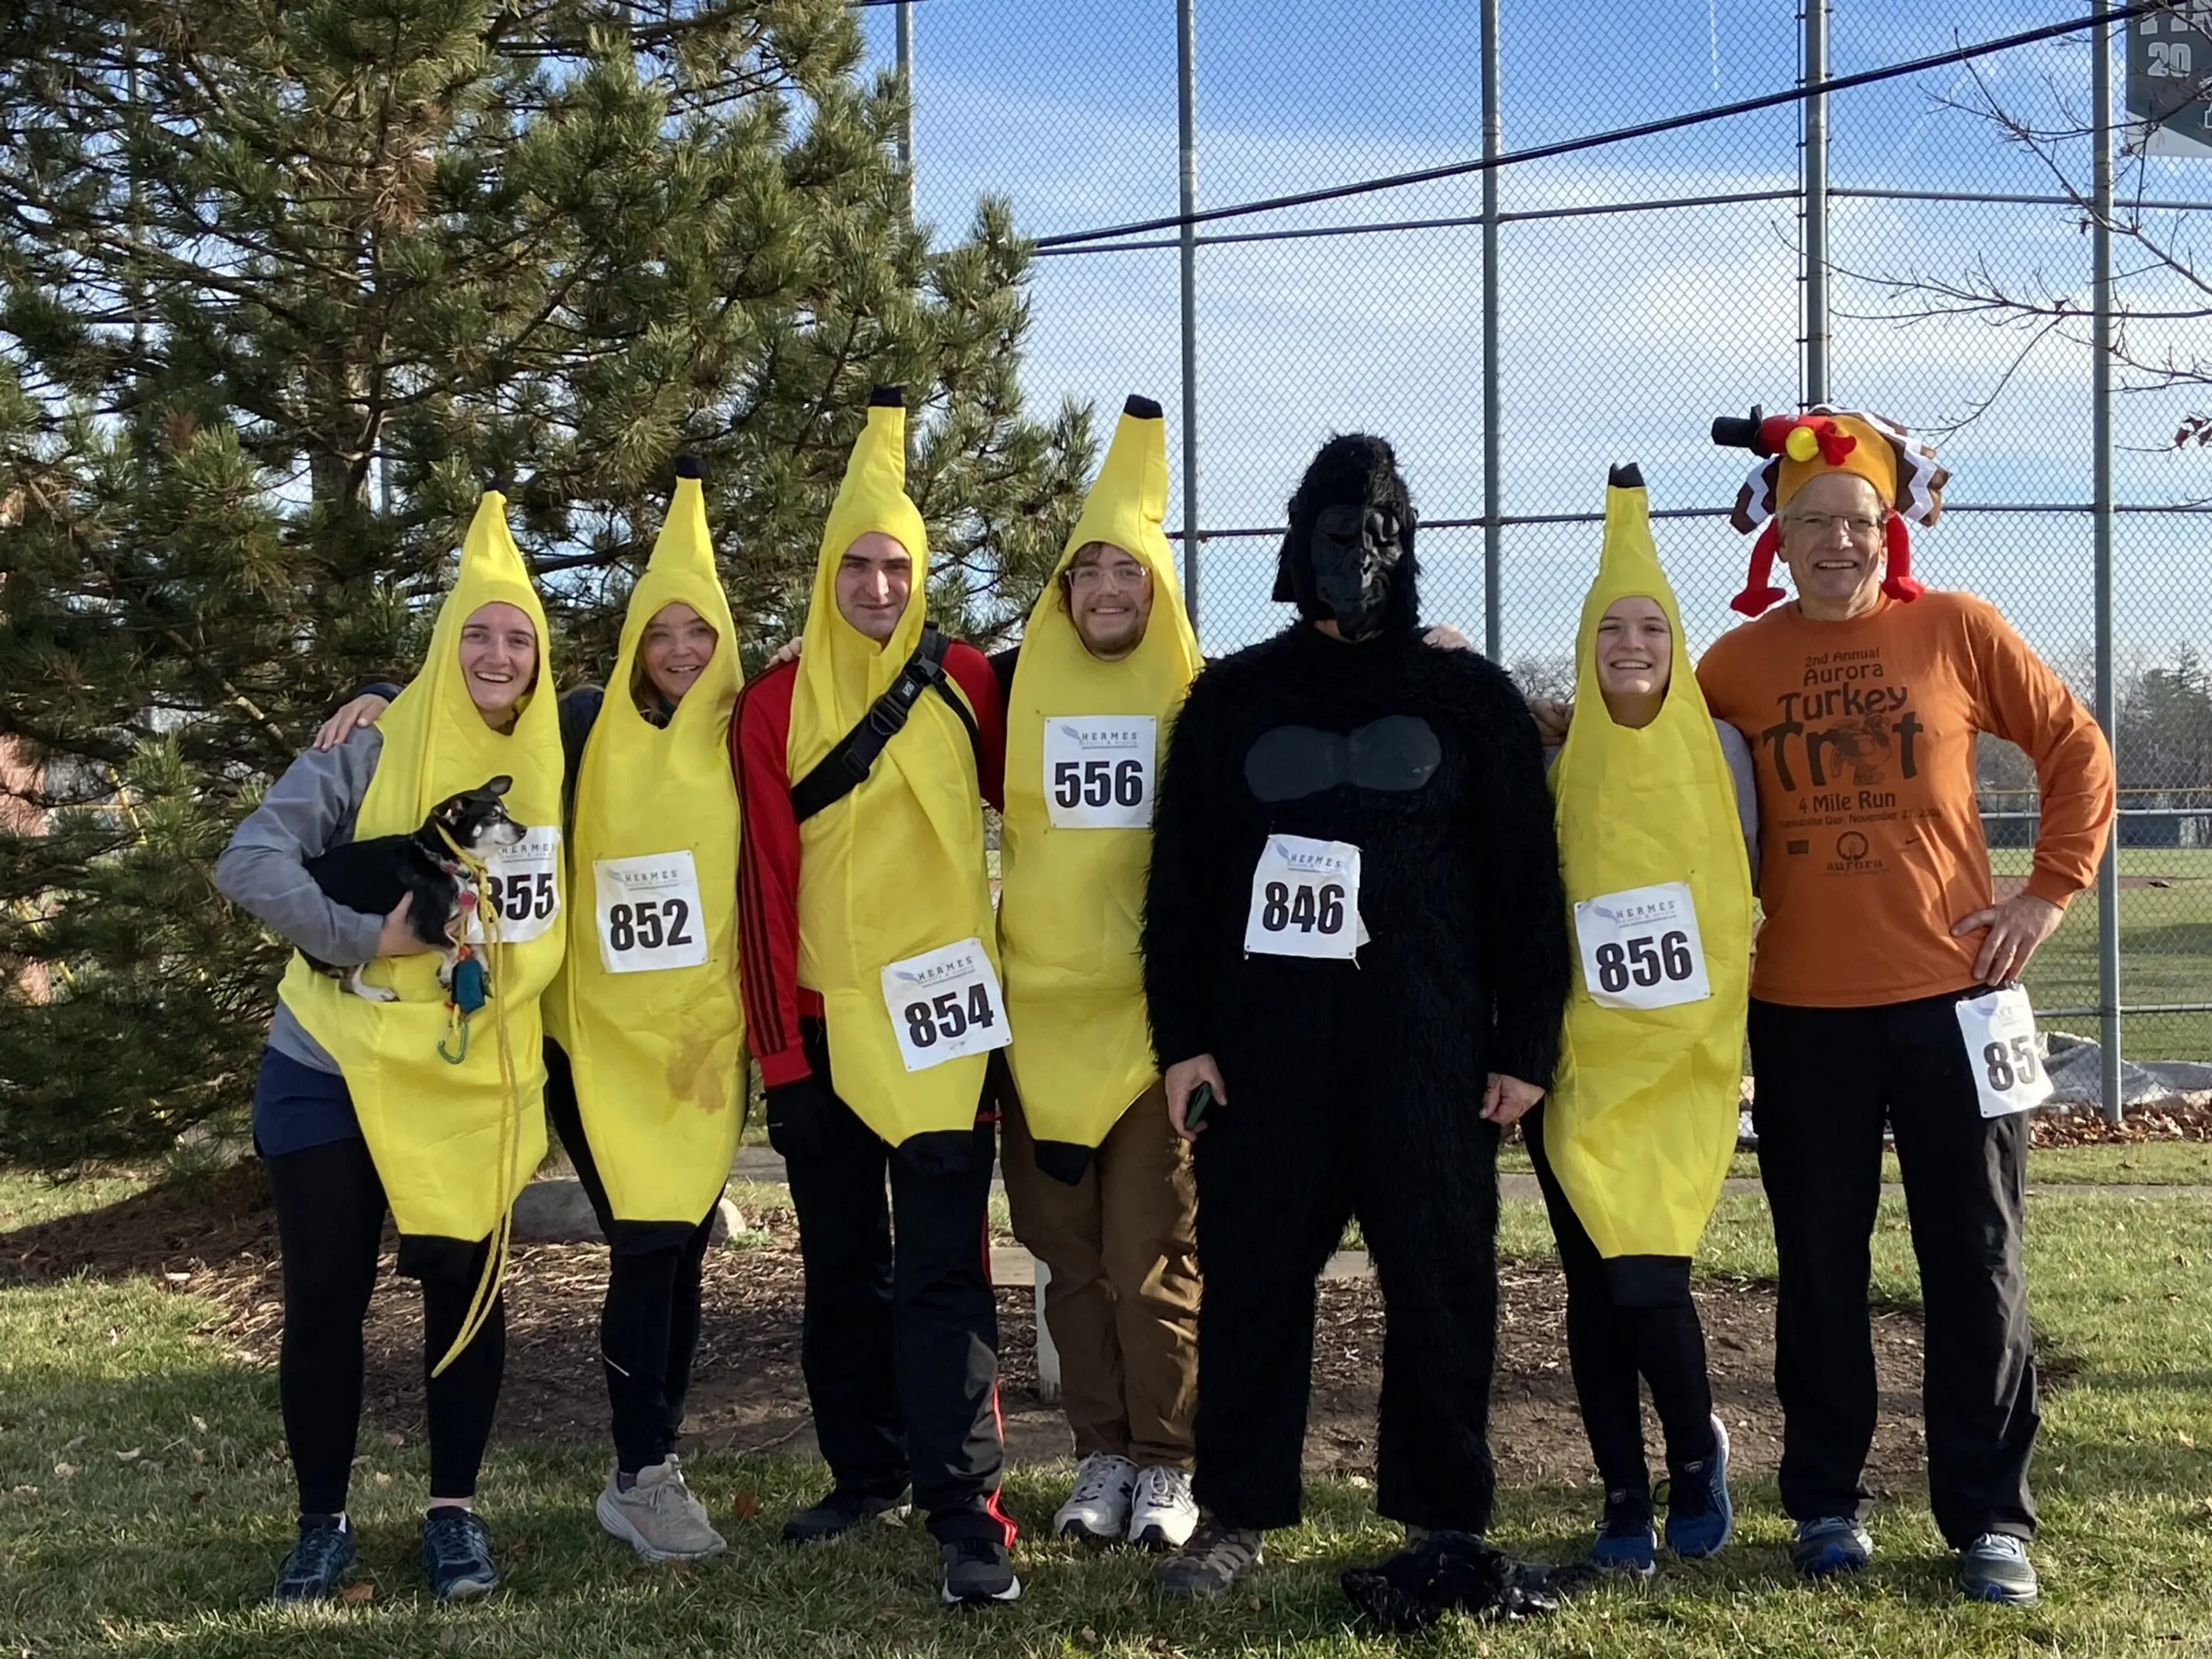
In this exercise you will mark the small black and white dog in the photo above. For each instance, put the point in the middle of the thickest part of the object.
(371, 876)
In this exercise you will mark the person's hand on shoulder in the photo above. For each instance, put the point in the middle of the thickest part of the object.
(1552, 718)
(364, 710)
(788, 651)
(1445, 637)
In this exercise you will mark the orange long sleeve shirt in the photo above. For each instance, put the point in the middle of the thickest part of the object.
(1863, 733)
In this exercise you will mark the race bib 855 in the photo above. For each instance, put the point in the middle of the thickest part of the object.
(522, 888)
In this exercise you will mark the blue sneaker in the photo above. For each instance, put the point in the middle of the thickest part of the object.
(1832, 1544)
(1995, 1567)
(1624, 1543)
(1700, 1517)
(317, 1562)
(456, 1554)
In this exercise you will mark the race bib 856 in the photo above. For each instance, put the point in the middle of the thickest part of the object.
(1640, 948)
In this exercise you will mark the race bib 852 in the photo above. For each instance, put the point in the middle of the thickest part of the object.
(648, 912)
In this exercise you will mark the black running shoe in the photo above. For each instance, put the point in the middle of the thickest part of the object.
(971, 1572)
(317, 1562)
(836, 1515)
(456, 1554)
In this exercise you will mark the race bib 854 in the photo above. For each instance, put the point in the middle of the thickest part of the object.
(945, 1005)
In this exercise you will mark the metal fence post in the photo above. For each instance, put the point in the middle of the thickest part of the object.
(903, 16)
(1493, 136)
(1813, 210)
(2108, 873)
(1187, 126)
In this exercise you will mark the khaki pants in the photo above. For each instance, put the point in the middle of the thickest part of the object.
(1122, 1246)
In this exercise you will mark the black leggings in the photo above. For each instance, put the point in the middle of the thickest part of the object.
(1609, 1344)
(330, 1218)
(649, 1324)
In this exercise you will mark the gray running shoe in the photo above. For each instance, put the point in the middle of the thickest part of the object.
(1832, 1544)
(1995, 1567)
(1215, 1557)
(658, 1516)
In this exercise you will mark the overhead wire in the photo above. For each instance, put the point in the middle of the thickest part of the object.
(1074, 239)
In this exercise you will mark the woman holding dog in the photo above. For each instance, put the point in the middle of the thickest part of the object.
(363, 1104)
(644, 1078)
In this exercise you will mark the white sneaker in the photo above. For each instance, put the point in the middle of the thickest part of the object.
(658, 1516)
(1097, 1510)
(1163, 1515)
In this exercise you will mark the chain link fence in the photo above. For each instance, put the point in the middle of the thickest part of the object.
(1643, 287)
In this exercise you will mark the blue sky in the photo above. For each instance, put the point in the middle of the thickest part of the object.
(1623, 334)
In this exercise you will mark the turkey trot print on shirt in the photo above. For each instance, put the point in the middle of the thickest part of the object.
(1848, 752)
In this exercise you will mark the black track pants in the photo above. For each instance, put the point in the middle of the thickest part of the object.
(900, 1343)
(1828, 1079)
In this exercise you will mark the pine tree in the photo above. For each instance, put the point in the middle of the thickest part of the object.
(283, 288)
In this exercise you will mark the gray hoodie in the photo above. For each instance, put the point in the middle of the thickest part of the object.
(308, 811)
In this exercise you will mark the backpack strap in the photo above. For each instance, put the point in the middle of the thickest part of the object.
(853, 757)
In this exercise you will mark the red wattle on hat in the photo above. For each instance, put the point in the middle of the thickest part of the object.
(1759, 592)
(1897, 581)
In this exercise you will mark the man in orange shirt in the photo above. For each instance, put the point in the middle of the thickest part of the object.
(1872, 993)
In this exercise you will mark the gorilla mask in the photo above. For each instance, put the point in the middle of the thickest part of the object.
(1349, 556)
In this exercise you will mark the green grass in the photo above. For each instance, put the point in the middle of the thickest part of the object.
(2142, 1164)
(2166, 952)
(143, 1504)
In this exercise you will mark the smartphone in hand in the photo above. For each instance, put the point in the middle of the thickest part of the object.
(1196, 1108)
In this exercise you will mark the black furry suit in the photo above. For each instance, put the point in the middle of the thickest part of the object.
(1355, 1088)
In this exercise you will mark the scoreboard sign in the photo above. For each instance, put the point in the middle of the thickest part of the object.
(2170, 80)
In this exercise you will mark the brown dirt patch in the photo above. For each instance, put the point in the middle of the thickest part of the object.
(218, 1240)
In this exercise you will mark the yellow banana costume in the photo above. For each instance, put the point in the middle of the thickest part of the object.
(647, 1006)
(455, 1143)
(1641, 1118)
(896, 868)
(1071, 893)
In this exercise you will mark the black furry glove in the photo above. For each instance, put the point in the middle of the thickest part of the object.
(1449, 1571)
(798, 1118)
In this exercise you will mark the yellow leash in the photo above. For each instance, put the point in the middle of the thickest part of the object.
(510, 1117)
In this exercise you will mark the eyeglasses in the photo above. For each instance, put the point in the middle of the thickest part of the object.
(1858, 528)
(1087, 576)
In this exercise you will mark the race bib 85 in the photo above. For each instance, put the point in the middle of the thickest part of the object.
(1999, 1031)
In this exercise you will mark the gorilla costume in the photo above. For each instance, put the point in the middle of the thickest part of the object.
(1355, 907)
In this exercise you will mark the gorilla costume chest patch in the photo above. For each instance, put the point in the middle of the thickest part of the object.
(1396, 754)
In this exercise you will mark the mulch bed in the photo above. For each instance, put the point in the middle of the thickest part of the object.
(216, 1239)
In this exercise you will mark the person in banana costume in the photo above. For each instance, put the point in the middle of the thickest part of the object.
(874, 1005)
(1653, 802)
(356, 1108)
(644, 1027)
(1099, 1184)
